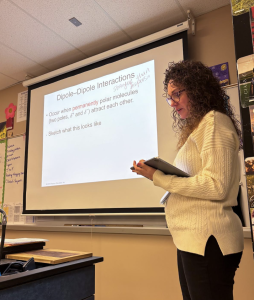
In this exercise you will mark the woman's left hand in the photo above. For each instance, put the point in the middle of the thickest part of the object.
(143, 169)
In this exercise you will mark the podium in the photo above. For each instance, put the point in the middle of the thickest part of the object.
(74, 280)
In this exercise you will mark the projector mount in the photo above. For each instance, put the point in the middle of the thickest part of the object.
(191, 21)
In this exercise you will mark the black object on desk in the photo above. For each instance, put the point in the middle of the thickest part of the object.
(15, 267)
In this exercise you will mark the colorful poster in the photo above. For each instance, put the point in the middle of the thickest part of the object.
(245, 66)
(240, 7)
(2, 130)
(251, 108)
(221, 72)
(249, 167)
(252, 25)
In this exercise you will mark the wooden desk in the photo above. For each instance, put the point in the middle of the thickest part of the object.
(73, 280)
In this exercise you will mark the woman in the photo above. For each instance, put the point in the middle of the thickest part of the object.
(207, 233)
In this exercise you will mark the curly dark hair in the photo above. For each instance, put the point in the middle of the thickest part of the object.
(205, 94)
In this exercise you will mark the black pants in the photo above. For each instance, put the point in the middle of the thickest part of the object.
(209, 277)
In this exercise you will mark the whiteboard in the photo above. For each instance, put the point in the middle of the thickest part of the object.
(12, 153)
(14, 170)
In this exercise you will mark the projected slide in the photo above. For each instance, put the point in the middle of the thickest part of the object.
(93, 131)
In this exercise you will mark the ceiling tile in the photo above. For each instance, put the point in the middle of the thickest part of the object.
(17, 66)
(200, 7)
(140, 18)
(59, 60)
(30, 38)
(97, 32)
(6, 81)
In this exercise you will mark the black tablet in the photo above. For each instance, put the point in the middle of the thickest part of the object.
(165, 167)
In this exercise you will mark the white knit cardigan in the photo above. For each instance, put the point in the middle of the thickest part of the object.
(201, 205)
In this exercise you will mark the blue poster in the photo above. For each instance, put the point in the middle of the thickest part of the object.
(221, 72)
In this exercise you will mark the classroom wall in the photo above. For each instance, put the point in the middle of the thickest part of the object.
(144, 266)
(214, 40)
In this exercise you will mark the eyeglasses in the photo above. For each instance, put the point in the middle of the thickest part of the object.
(175, 97)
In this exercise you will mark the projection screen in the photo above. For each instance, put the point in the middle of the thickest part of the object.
(85, 128)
